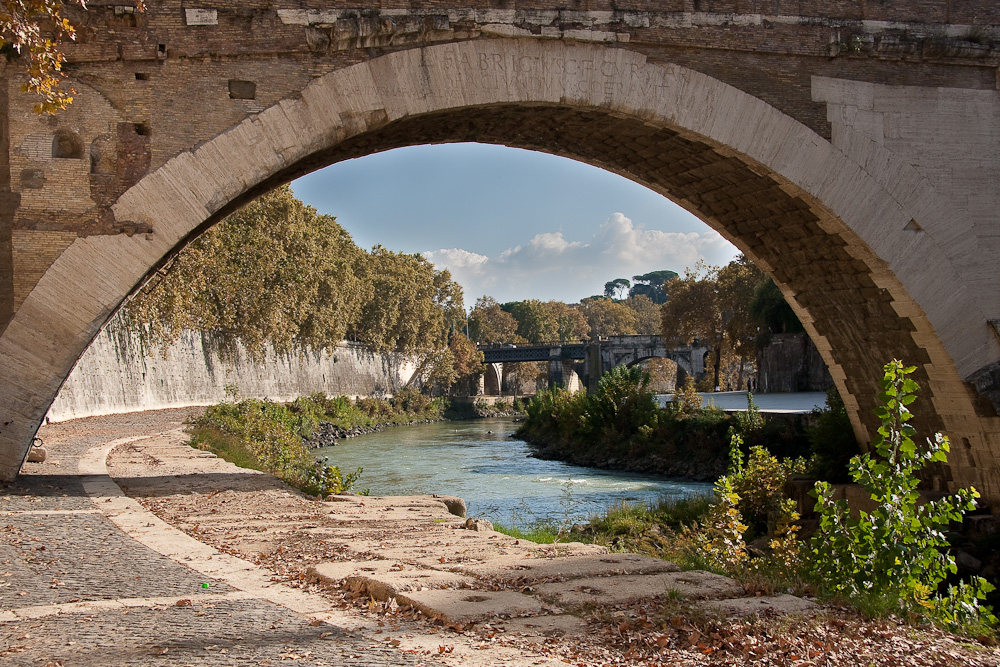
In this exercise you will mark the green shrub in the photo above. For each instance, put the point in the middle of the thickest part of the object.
(750, 503)
(897, 551)
(832, 441)
(270, 436)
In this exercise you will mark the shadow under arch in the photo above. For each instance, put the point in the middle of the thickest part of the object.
(823, 227)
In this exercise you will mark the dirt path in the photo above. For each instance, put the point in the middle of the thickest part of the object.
(392, 580)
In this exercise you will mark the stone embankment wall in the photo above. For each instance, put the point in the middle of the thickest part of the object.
(119, 374)
(791, 362)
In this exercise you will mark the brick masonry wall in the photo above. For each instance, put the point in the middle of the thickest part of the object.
(118, 374)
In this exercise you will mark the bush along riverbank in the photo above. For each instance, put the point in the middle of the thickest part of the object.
(275, 438)
(892, 561)
(620, 426)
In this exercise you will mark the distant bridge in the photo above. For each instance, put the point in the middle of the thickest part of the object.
(589, 360)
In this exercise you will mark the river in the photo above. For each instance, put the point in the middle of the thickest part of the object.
(478, 461)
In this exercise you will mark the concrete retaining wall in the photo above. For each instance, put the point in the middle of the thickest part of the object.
(116, 374)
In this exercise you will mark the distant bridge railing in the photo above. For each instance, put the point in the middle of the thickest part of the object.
(498, 353)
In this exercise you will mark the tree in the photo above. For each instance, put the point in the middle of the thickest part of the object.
(411, 304)
(34, 30)
(276, 272)
(489, 323)
(770, 310)
(616, 288)
(536, 323)
(608, 318)
(738, 283)
(715, 309)
(468, 358)
(652, 285)
(273, 272)
(646, 312)
(570, 322)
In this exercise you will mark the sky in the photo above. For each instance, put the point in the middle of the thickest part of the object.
(511, 223)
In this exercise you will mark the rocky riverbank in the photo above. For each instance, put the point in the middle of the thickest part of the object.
(697, 469)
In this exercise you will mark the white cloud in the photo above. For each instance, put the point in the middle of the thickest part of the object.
(456, 258)
(551, 267)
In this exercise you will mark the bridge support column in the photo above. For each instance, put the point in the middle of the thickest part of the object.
(563, 373)
(593, 366)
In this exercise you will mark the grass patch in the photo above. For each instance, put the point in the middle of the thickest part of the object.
(224, 445)
(541, 533)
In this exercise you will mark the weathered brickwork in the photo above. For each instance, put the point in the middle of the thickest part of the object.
(31, 250)
(848, 147)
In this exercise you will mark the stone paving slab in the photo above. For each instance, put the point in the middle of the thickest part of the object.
(786, 604)
(465, 606)
(386, 579)
(570, 567)
(546, 626)
(691, 585)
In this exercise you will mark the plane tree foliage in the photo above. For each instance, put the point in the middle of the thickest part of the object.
(771, 310)
(277, 272)
(490, 323)
(647, 314)
(544, 321)
(609, 318)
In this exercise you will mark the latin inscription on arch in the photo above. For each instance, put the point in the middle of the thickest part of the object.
(569, 74)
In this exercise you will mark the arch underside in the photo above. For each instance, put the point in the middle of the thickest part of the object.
(852, 305)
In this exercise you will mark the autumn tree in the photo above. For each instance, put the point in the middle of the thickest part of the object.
(714, 308)
(411, 304)
(34, 31)
(489, 323)
(276, 272)
(738, 283)
(535, 322)
(273, 272)
(468, 358)
(647, 314)
(571, 324)
(608, 318)
(771, 311)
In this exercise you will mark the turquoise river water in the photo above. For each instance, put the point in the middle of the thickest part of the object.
(478, 461)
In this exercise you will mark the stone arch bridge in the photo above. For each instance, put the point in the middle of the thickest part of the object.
(849, 148)
(589, 360)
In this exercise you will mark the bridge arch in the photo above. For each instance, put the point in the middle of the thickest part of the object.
(852, 245)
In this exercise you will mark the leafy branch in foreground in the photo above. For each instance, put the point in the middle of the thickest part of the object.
(34, 30)
(899, 549)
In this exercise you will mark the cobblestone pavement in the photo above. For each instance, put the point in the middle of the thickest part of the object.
(74, 590)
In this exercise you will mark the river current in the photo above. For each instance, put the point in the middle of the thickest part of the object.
(478, 461)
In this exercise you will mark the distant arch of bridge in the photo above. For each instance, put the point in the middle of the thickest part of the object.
(849, 149)
(591, 359)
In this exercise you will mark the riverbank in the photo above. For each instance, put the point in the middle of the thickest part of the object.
(228, 513)
(620, 426)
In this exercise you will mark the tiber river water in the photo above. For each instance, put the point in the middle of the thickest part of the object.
(478, 461)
